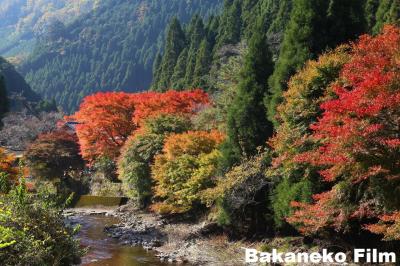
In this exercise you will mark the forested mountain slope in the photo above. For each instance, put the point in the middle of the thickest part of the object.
(21, 21)
(295, 30)
(112, 48)
(14, 88)
(204, 42)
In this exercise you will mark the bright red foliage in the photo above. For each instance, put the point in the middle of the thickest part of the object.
(359, 131)
(106, 120)
(311, 218)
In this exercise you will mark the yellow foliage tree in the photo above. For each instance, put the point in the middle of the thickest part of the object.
(185, 169)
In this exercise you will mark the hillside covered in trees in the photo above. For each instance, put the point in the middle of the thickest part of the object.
(112, 48)
(18, 93)
(271, 124)
(295, 31)
(22, 21)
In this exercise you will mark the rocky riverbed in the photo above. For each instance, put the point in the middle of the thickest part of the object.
(174, 242)
(178, 242)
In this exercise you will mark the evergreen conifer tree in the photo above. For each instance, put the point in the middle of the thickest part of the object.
(315, 25)
(156, 70)
(178, 78)
(371, 7)
(175, 43)
(388, 13)
(231, 24)
(196, 33)
(203, 62)
(248, 126)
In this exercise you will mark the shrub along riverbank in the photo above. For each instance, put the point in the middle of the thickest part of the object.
(32, 231)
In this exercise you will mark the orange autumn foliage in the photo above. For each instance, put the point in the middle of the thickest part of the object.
(106, 120)
(7, 166)
(150, 104)
(388, 226)
(191, 143)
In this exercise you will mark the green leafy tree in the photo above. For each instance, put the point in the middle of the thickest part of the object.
(33, 231)
(371, 7)
(134, 165)
(247, 125)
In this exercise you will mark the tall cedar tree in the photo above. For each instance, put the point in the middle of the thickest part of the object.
(178, 78)
(157, 68)
(314, 26)
(248, 127)
(196, 34)
(3, 98)
(388, 13)
(231, 23)
(203, 62)
(175, 43)
(371, 7)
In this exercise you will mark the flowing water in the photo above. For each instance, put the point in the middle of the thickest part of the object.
(105, 251)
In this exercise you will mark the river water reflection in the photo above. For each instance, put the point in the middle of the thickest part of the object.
(105, 251)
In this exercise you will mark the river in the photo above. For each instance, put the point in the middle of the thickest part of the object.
(105, 251)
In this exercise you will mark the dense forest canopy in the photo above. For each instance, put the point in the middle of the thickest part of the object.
(112, 48)
(296, 31)
(22, 21)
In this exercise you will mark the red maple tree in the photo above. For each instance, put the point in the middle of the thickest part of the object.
(359, 136)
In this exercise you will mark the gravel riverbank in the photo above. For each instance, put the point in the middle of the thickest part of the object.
(179, 242)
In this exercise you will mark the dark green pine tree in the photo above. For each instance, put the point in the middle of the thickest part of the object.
(203, 63)
(196, 33)
(230, 24)
(178, 78)
(314, 26)
(248, 126)
(3, 98)
(371, 7)
(344, 21)
(212, 29)
(175, 43)
(394, 13)
(276, 14)
(388, 13)
(156, 69)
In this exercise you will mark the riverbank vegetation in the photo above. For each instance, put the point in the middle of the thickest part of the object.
(272, 119)
(32, 229)
(331, 164)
